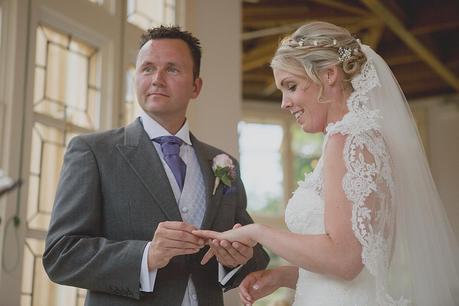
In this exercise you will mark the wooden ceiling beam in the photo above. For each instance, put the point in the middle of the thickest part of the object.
(270, 88)
(272, 31)
(362, 24)
(262, 78)
(402, 59)
(248, 65)
(444, 17)
(265, 11)
(348, 8)
(264, 22)
(410, 40)
(434, 27)
(259, 56)
(373, 36)
(415, 87)
(263, 48)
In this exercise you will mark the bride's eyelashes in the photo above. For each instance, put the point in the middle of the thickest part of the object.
(291, 87)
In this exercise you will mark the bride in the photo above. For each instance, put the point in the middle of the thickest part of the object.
(366, 226)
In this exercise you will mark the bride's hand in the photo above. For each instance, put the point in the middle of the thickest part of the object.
(257, 285)
(241, 234)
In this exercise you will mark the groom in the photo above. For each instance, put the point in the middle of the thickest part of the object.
(129, 199)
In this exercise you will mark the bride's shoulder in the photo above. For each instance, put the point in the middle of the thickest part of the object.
(365, 143)
(355, 124)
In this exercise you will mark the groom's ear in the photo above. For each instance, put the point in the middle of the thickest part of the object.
(197, 85)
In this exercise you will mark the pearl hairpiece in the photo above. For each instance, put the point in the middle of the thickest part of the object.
(344, 53)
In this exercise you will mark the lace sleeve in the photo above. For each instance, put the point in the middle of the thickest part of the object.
(368, 185)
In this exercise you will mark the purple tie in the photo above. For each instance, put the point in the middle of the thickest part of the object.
(170, 145)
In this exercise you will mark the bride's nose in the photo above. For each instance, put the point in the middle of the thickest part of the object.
(286, 103)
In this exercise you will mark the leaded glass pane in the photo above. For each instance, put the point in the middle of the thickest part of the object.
(98, 2)
(40, 52)
(131, 106)
(261, 166)
(148, 13)
(306, 149)
(37, 290)
(67, 79)
(47, 151)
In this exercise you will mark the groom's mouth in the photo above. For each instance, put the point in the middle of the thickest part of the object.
(158, 93)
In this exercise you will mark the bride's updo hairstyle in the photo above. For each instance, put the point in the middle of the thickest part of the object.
(316, 46)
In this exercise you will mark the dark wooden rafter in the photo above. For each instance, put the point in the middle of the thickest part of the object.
(412, 42)
(417, 40)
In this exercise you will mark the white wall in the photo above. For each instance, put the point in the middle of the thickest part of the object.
(216, 112)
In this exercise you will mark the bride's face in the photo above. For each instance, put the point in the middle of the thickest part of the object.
(300, 98)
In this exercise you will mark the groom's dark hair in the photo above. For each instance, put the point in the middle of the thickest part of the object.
(174, 32)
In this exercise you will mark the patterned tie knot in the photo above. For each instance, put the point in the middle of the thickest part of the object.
(169, 144)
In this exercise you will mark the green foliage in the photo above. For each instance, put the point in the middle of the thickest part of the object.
(223, 173)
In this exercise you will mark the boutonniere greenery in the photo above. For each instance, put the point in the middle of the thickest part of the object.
(224, 170)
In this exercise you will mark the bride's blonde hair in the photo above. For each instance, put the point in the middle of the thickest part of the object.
(316, 46)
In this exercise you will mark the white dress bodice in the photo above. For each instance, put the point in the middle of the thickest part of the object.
(305, 214)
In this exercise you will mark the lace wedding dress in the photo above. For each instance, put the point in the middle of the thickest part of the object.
(368, 172)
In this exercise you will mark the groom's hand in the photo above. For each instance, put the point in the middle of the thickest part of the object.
(231, 254)
(172, 238)
(228, 254)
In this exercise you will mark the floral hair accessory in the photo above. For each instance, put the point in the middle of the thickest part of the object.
(344, 53)
(224, 170)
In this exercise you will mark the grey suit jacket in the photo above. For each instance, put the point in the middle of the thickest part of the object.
(113, 193)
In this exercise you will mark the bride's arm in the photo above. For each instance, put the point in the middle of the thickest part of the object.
(338, 252)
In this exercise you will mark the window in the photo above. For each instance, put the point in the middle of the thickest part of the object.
(147, 13)
(261, 166)
(131, 108)
(140, 15)
(65, 102)
(72, 71)
(275, 153)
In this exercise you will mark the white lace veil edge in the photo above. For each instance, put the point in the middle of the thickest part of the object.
(425, 261)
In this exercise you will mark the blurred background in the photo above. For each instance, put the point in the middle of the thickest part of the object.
(67, 67)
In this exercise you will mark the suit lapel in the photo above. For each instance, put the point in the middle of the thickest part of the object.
(139, 152)
(205, 163)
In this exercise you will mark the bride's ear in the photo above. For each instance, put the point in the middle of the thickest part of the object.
(329, 76)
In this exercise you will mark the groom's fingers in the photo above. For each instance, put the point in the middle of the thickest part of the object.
(207, 234)
(238, 252)
(178, 231)
(178, 226)
(182, 236)
(244, 250)
(221, 254)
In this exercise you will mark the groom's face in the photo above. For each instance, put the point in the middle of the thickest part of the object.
(164, 80)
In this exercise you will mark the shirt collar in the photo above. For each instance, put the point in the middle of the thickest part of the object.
(154, 129)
